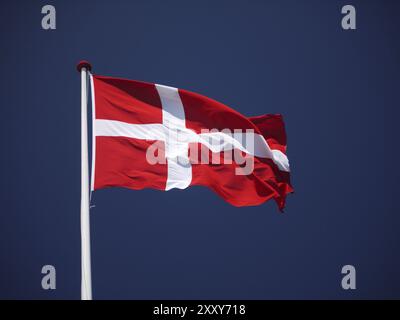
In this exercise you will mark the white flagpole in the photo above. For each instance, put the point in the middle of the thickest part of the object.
(86, 280)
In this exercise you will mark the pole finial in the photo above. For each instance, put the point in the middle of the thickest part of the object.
(83, 64)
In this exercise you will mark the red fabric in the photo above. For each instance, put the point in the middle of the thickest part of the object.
(127, 100)
(121, 161)
(205, 113)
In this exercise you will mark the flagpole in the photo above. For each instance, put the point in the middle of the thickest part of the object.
(86, 277)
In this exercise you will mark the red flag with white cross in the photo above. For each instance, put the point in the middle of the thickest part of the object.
(153, 136)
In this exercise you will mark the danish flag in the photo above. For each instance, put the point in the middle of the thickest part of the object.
(154, 136)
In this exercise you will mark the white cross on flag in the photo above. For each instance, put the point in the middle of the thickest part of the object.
(153, 136)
